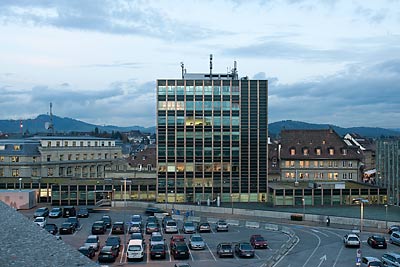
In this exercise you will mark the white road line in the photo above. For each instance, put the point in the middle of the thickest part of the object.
(315, 250)
(337, 257)
(322, 233)
(257, 256)
(287, 252)
(211, 252)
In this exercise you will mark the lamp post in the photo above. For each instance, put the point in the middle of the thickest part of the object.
(386, 213)
(304, 208)
(232, 203)
(361, 201)
(20, 183)
(125, 228)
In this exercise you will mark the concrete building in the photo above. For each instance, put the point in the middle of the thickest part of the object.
(388, 168)
(212, 132)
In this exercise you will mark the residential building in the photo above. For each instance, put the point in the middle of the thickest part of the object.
(212, 132)
(318, 155)
(388, 168)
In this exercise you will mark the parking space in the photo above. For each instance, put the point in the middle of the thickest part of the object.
(200, 257)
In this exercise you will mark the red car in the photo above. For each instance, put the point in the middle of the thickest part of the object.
(258, 241)
(176, 238)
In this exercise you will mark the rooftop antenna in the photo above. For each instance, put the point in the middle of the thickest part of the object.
(183, 70)
(211, 57)
(50, 125)
(234, 71)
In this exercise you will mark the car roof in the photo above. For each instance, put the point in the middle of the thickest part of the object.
(368, 258)
(177, 237)
(92, 236)
(352, 235)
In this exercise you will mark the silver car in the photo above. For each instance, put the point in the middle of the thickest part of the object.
(189, 228)
(221, 225)
(391, 259)
(93, 241)
(196, 242)
(156, 239)
(395, 238)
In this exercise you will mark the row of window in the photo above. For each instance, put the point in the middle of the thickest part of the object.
(204, 121)
(62, 171)
(204, 151)
(74, 143)
(318, 164)
(199, 105)
(198, 167)
(318, 175)
(317, 151)
(198, 90)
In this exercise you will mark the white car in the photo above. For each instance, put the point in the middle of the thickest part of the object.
(351, 240)
(371, 262)
(41, 221)
(93, 241)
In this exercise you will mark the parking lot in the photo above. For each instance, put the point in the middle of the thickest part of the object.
(206, 257)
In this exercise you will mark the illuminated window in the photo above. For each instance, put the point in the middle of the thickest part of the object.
(292, 151)
(1, 158)
(305, 151)
(15, 172)
(331, 151)
(318, 151)
(50, 171)
(14, 159)
(1, 172)
(17, 147)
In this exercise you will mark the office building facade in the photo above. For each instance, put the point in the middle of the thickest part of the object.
(212, 134)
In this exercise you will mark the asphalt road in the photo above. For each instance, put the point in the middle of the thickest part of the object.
(317, 245)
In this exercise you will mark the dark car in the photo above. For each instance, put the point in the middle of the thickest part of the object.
(158, 251)
(180, 250)
(107, 220)
(41, 212)
(393, 228)
(67, 228)
(87, 251)
(51, 228)
(118, 228)
(55, 213)
(114, 240)
(98, 227)
(176, 238)
(258, 241)
(83, 213)
(75, 221)
(244, 249)
(204, 227)
(108, 254)
(224, 250)
(69, 211)
(377, 241)
(152, 227)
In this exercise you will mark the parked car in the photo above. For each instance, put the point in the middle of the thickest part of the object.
(224, 250)
(171, 227)
(41, 212)
(180, 250)
(67, 228)
(137, 236)
(196, 241)
(204, 227)
(98, 227)
(118, 228)
(136, 218)
(244, 249)
(152, 227)
(152, 219)
(158, 251)
(135, 250)
(189, 228)
(135, 227)
(55, 213)
(87, 251)
(176, 238)
(393, 228)
(107, 220)
(69, 211)
(114, 240)
(258, 241)
(108, 254)
(157, 238)
(93, 241)
(395, 238)
(83, 213)
(51, 228)
(221, 225)
(41, 221)
(75, 221)
(351, 240)
(371, 262)
(391, 259)
(377, 241)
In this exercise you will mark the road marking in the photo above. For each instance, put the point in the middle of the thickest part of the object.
(323, 258)
(337, 257)
(316, 231)
(315, 250)
(287, 252)
(211, 252)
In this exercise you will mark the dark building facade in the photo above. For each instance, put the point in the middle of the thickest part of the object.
(212, 136)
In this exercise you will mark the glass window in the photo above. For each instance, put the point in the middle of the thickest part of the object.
(217, 90)
(217, 105)
(189, 90)
(180, 90)
(208, 90)
(226, 105)
(199, 90)
(226, 90)
(162, 90)
(171, 90)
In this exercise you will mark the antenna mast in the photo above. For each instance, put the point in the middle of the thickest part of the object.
(211, 57)
(183, 70)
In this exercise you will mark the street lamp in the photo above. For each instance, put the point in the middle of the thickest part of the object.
(361, 201)
(304, 208)
(386, 212)
(20, 183)
(125, 228)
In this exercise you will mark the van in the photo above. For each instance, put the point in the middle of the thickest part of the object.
(69, 211)
(135, 250)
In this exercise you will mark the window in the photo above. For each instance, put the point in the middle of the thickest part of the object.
(48, 158)
(17, 147)
(1, 158)
(344, 151)
(15, 172)
(76, 156)
(50, 171)
(74, 143)
(1, 172)
(14, 159)
(292, 151)
(69, 156)
(66, 143)
(350, 163)
(318, 151)
(34, 159)
(58, 143)
(149, 167)
(331, 151)
(61, 157)
(305, 151)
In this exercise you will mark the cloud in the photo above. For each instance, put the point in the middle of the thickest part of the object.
(107, 16)
(129, 65)
(358, 96)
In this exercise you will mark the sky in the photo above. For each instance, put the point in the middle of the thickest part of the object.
(327, 61)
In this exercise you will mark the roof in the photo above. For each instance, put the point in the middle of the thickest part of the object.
(39, 247)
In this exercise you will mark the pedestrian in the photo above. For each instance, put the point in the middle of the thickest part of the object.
(328, 221)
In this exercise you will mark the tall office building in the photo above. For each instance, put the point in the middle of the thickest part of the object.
(212, 134)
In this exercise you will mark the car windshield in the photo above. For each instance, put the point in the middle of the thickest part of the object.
(259, 238)
(226, 247)
(171, 223)
(134, 248)
(41, 209)
(56, 209)
(246, 247)
(197, 238)
(353, 238)
(376, 263)
(157, 238)
(379, 238)
(98, 224)
(157, 247)
(39, 219)
(91, 240)
(66, 225)
(189, 224)
(49, 226)
(182, 247)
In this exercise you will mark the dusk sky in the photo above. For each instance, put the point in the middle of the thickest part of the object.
(327, 61)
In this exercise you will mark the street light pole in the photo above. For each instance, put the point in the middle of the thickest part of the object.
(125, 211)
(362, 216)
(304, 209)
(386, 213)
(20, 183)
(232, 203)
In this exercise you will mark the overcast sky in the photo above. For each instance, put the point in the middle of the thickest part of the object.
(327, 61)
